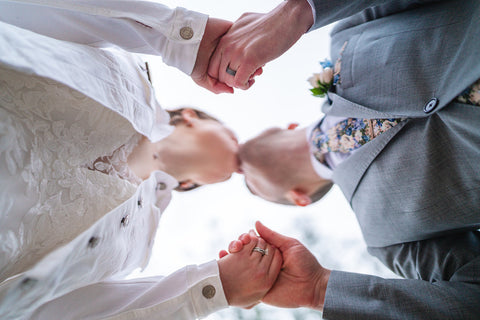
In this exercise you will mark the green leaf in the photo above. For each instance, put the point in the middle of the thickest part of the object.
(318, 92)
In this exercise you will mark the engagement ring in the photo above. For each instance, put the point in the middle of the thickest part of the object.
(264, 252)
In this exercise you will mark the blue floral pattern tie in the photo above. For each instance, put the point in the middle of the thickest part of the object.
(348, 135)
(471, 95)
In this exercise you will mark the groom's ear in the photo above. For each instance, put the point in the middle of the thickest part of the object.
(298, 197)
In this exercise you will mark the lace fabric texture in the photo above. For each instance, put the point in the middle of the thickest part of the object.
(55, 147)
(116, 165)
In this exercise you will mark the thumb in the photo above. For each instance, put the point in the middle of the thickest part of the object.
(272, 237)
(222, 253)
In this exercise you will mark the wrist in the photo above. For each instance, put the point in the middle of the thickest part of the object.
(320, 289)
(224, 280)
(301, 12)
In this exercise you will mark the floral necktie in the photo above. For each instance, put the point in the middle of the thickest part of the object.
(348, 135)
(471, 95)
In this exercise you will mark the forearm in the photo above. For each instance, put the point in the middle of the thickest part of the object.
(446, 282)
(300, 13)
(328, 11)
(356, 296)
(136, 26)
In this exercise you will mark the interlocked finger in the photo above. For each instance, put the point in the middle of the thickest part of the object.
(260, 248)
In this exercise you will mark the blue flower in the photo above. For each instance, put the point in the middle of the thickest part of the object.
(326, 64)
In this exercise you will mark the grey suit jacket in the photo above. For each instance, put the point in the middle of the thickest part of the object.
(415, 189)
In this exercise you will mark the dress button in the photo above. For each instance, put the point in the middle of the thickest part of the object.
(186, 33)
(93, 242)
(161, 186)
(140, 202)
(430, 105)
(28, 283)
(125, 221)
(208, 291)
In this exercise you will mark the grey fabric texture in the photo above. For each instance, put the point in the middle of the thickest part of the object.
(415, 189)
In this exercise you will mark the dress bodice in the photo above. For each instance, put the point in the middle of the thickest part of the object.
(49, 192)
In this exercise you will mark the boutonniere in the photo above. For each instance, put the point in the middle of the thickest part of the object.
(322, 81)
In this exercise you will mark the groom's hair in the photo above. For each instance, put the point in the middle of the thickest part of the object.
(176, 118)
(278, 166)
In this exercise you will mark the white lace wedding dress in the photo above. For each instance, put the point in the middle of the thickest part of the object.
(73, 220)
(58, 177)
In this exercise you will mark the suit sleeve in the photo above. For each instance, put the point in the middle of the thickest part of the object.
(328, 11)
(189, 293)
(444, 283)
(136, 26)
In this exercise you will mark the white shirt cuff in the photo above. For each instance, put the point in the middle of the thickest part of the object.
(179, 52)
(206, 288)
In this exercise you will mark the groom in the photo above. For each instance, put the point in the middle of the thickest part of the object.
(403, 101)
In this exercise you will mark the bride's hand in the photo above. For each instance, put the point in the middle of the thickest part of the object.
(237, 245)
(249, 274)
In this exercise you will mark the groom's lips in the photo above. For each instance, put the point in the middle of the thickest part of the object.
(239, 165)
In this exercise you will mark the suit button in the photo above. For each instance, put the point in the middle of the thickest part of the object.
(430, 105)
(208, 291)
(186, 33)
(93, 242)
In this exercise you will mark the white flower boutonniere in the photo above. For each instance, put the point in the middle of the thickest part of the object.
(322, 81)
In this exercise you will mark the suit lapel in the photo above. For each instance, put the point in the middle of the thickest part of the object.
(342, 107)
(349, 173)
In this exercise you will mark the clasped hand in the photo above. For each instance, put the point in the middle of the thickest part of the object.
(232, 55)
(289, 276)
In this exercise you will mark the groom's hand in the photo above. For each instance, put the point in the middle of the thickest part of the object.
(257, 38)
(302, 282)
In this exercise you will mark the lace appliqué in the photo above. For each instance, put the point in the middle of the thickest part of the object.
(49, 133)
(116, 165)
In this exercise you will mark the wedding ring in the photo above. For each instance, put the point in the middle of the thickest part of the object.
(231, 71)
(264, 252)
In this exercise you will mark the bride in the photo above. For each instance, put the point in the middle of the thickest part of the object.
(88, 160)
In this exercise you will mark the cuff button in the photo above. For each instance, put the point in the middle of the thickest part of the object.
(186, 33)
(208, 291)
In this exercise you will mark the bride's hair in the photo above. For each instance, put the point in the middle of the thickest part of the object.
(176, 119)
(176, 115)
